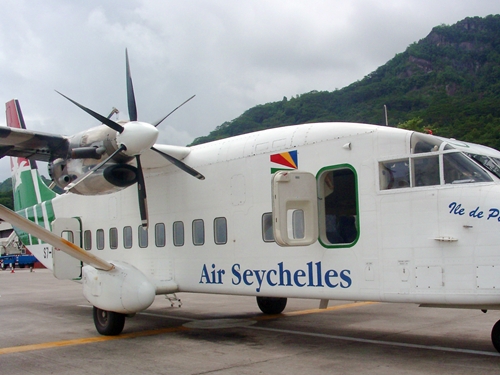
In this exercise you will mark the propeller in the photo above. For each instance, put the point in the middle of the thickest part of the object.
(133, 139)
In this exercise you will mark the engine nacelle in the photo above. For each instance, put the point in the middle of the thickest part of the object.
(124, 289)
(111, 178)
(86, 150)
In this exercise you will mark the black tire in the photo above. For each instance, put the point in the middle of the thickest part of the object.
(271, 305)
(495, 336)
(108, 323)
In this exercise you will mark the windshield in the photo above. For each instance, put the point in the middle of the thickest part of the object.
(433, 161)
(490, 163)
(459, 169)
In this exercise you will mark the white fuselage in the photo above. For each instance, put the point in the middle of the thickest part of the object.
(433, 244)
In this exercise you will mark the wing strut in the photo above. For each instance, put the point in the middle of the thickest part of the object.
(59, 243)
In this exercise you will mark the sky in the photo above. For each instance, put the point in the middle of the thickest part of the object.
(233, 55)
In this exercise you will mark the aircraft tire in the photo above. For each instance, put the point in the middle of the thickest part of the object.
(108, 323)
(271, 305)
(495, 336)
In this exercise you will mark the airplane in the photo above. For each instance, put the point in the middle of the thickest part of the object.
(326, 211)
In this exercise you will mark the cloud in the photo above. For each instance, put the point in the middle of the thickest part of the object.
(232, 55)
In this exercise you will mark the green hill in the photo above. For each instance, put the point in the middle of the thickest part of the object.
(6, 197)
(448, 82)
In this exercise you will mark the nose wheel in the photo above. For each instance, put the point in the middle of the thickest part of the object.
(108, 323)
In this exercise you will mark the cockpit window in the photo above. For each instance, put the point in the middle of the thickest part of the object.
(459, 169)
(421, 143)
(491, 164)
(394, 174)
(426, 170)
(433, 162)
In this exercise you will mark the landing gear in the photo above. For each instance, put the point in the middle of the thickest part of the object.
(271, 305)
(108, 323)
(495, 336)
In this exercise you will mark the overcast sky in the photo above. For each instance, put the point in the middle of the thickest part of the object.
(232, 54)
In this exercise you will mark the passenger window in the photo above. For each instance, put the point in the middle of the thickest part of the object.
(113, 238)
(198, 232)
(127, 237)
(160, 239)
(338, 193)
(100, 239)
(426, 171)
(267, 227)
(87, 240)
(143, 236)
(220, 230)
(178, 235)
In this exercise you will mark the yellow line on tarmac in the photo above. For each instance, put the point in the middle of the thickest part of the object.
(87, 340)
(315, 311)
(90, 340)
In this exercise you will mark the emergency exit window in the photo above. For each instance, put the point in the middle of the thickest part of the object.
(296, 227)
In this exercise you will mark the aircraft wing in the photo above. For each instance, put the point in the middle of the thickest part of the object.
(31, 144)
(15, 140)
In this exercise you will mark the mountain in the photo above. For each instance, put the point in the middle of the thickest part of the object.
(448, 82)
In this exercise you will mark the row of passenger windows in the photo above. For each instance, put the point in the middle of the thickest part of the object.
(160, 238)
(338, 220)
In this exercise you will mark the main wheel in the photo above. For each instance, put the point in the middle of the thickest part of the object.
(108, 323)
(495, 336)
(271, 305)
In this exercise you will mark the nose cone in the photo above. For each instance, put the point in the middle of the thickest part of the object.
(136, 137)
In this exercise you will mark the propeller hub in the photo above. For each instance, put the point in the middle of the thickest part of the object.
(137, 137)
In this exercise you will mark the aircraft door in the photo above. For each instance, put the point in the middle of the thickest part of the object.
(66, 267)
(295, 208)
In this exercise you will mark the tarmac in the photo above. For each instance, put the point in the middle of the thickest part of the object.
(47, 328)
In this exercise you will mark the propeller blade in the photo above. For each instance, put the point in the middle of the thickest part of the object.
(132, 108)
(141, 192)
(160, 121)
(95, 168)
(180, 164)
(106, 121)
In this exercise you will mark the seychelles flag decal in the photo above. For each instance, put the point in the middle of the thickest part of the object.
(284, 161)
